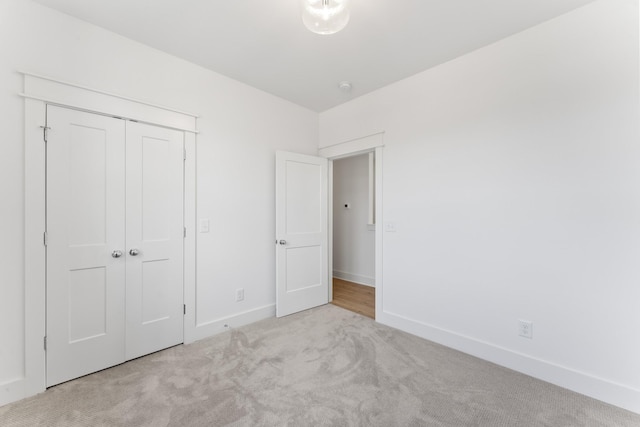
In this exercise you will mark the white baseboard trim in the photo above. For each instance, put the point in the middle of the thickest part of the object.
(616, 394)
(17, 389)
(355, 278)
(214, 327)
(20, 388)
(11, 390)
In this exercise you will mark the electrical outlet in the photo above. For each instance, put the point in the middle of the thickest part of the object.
(390, 227)
(525, 329)
(239, 294)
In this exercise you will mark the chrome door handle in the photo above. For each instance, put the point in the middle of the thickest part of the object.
(134, 252)
(283, 242)
(116, 254)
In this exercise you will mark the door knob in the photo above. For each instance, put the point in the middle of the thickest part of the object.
(116, 254)
(134, 252)
(283, 242)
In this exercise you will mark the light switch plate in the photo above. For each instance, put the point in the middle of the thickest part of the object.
(204, 225)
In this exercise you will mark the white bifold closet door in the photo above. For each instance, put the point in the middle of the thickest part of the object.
(115, 241)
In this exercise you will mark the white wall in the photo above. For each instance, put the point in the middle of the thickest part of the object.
(353, 240)
(512, 174)
(241, 128)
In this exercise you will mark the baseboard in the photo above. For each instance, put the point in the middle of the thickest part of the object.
(17, 389)
(607, 391)
(11, 391)
(214, 327)
(355, 278)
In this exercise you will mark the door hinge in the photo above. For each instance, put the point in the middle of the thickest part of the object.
(184, 232)
(184, 154)
(184, 308)
(45, 133)
(45, 343)
(45, 238)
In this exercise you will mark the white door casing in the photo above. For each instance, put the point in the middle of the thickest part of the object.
(37, 92)
(365, 144)
(154, 238)
(85, 225)
(112, 187)
(302, 276)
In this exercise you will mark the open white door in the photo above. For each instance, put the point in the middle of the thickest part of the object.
(302, 275)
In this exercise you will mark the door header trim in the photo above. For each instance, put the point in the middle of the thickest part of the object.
(79, 97)
(352, 147)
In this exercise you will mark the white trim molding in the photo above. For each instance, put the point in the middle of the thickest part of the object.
(214, 327)
(598, 388)
(71, 95)
(368, 144)
(355, 278)
(32, 380)
(353, 147)
(190, 241)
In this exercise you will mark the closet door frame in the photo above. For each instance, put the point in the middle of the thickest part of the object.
(40, 91)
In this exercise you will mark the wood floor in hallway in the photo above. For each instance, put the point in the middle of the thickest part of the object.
(352, 296)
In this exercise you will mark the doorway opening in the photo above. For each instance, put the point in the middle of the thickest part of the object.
(353, 233)
(304, 224)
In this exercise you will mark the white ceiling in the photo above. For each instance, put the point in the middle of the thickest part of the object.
(263, 43)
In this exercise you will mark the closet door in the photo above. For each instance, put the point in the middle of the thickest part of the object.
(154, 236)
(85, 250)
(115, 241)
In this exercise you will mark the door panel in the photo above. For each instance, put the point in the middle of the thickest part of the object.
(156, 291)
(304, 197)
(155, 229)
(301, 230)
(87, 172)
(87, 304)
(85, 223)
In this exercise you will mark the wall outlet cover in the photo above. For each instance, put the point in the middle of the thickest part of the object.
(525, 328)
(390, 227)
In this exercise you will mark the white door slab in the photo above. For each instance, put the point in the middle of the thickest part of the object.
(154, 238)
(302, 278)
(86, 227)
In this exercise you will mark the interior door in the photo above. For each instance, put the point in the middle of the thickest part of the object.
(115, 241)
(154, 236)
(85, 233)
(302, 276)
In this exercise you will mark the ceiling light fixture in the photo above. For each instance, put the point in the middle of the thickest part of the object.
(325, 16)
(345, 86)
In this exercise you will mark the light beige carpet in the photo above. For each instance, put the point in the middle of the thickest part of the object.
(323, 367)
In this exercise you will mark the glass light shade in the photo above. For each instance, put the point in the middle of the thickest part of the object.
(325, 16)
